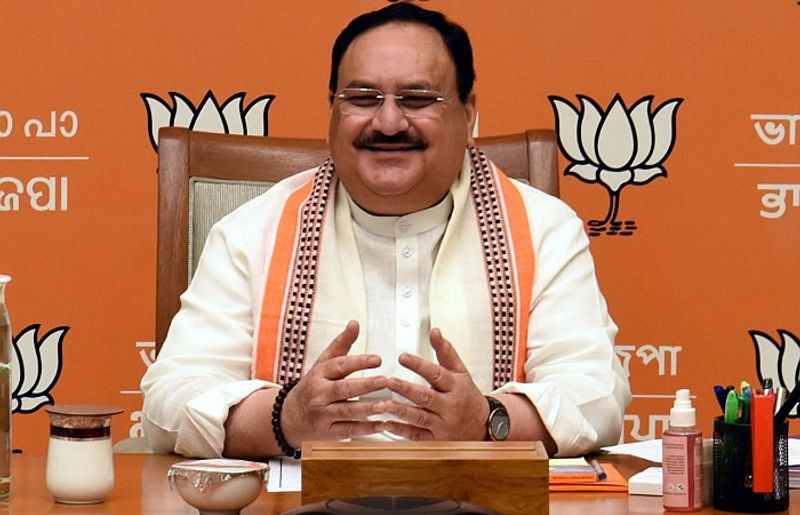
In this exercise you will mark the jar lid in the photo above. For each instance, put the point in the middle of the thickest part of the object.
(85, 410)
(81, 416)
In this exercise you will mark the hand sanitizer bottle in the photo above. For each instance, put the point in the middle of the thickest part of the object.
(682, 458)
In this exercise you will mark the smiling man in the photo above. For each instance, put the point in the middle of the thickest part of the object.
(394, 159)
(404, 289)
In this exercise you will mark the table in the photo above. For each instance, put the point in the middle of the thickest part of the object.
(142, 487)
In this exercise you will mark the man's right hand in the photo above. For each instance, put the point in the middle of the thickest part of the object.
(318, 408)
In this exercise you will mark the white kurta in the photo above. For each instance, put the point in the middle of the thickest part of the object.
(572, 375)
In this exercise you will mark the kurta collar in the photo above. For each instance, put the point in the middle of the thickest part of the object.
(406, 225)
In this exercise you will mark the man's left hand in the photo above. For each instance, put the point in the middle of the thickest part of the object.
(450, 408)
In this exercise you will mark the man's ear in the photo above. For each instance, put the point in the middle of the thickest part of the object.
(471, 110)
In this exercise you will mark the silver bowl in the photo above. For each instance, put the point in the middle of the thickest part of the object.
(218, 486)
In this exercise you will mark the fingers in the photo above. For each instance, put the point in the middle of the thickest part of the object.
(334, 363)
(356, 410)
(417, 394)
(407, 431)
(349, 418)
(340, 345)
(342, 366)
(352, 428)
(446, 354)
(414, 415)
(349, 388)
(437, 376)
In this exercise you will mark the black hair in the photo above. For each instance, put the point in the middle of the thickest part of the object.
(454, 36)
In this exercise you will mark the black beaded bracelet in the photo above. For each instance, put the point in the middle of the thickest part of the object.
(276, 420)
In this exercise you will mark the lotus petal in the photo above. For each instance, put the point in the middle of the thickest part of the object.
(28, 358)
(615, 140)
(645, 175)
(182, 112)
(232, 113)
(588, 125)
(50, 356)
(767, 355)
(209, 117)
(567, 126)
(615, 179)
(14, 405)
(643, 128)
(29, 404)
(789, 359)
(663, 131)
(16, 368)
(585, 171)
(158, 115)
(255, 117)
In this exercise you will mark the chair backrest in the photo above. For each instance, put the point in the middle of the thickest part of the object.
(204, 176)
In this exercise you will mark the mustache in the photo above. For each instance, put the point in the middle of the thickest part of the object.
(377, 138)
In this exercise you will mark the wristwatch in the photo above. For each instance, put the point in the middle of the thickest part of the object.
(498, 424)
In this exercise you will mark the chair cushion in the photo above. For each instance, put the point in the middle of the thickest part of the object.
(209, 200)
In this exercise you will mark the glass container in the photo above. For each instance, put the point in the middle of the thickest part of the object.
(6, 352)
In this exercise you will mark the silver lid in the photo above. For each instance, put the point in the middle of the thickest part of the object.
(203, 474)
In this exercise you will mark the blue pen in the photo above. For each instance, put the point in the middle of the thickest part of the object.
(721, 394)
(731, 407)
(601, 474)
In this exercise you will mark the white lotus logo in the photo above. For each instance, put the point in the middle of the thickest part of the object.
(779, 362)
(615, 148)
(35, 367)
(230, 117)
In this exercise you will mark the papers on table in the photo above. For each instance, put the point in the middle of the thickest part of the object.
(647, 482)
(571, 470)
(651, 450)
(648, 449)
(284, 475)
(578, 475)
(794, 477)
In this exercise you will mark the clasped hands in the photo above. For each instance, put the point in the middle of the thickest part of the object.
(450, 407)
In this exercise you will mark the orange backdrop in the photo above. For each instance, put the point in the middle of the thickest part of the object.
(712, 256)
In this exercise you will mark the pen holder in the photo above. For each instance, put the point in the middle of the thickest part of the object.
(733, 469)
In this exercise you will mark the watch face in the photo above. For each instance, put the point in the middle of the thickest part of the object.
(499, 424)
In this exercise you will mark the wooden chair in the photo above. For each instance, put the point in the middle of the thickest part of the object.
(204, 176)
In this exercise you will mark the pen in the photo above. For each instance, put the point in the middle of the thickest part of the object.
(744, 398)
(780, 397)
(788, 405)
(721, 394)
(601, 474)
(732, 407)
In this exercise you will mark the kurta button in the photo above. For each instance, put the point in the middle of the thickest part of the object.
(404, 227)
(407, 252)
(407, 292)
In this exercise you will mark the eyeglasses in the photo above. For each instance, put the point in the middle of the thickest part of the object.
(414, 103)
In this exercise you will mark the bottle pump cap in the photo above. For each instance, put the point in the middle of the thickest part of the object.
(682, 413)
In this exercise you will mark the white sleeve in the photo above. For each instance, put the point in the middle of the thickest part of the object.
(204, 367)
(572, 373)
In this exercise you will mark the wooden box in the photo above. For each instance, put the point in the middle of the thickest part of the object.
(509, 477)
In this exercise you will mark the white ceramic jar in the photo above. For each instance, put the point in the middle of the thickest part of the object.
(80, 458)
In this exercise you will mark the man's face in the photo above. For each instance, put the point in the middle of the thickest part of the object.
(389, 163)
